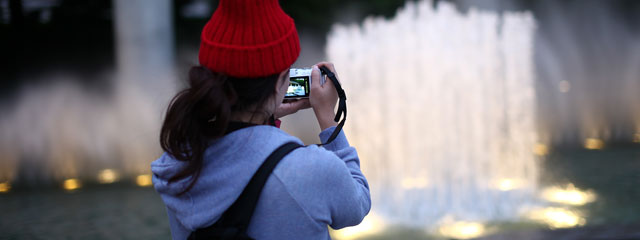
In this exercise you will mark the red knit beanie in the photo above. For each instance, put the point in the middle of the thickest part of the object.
(249, 38)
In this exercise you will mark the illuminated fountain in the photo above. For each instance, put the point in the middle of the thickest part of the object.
(442, 112)
(63, 133)
(587, 75)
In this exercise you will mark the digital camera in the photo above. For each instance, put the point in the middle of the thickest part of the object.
(299, 83)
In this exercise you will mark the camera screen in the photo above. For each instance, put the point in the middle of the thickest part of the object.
(298, 87)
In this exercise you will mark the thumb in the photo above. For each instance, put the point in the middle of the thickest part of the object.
(315, 77)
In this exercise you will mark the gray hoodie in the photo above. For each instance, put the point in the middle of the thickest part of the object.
(311, 187)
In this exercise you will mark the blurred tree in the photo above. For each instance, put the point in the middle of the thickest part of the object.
(16, 12)
(320, 15)
(76, 37)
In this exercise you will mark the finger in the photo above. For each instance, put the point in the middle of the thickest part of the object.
(294, 106)
(300, 104)
(303, 103)
(328, 65)
(328, 83)
(284, 110)
(315, 77)
(331, 67)
(285, 107)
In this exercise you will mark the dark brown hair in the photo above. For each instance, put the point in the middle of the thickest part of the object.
(202, 112)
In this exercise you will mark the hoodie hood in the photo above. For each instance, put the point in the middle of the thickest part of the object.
(228, 165)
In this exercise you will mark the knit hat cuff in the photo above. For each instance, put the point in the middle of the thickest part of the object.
(250, 60)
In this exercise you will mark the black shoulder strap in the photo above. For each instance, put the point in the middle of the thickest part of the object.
(234, 222)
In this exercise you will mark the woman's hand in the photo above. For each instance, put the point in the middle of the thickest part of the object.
(323, 98)
(291, 107)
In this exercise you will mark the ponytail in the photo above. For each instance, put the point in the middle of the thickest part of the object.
(202, 112)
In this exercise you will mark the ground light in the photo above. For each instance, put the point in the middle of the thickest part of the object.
(107, 176)
(414, 183)
(143, 180)
(593, 144)
(540, 149)
(462, 230)
(508, 184)
(568, 195)
(5, 187)
(557, 217)
(369, 226)
(71, 184)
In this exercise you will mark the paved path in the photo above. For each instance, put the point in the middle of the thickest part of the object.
(612, 232)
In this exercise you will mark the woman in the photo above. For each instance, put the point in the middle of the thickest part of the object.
(218, 131)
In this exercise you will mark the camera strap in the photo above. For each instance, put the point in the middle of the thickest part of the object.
(342, 104)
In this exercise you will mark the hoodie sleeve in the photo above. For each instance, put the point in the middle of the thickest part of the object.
(338, 193)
